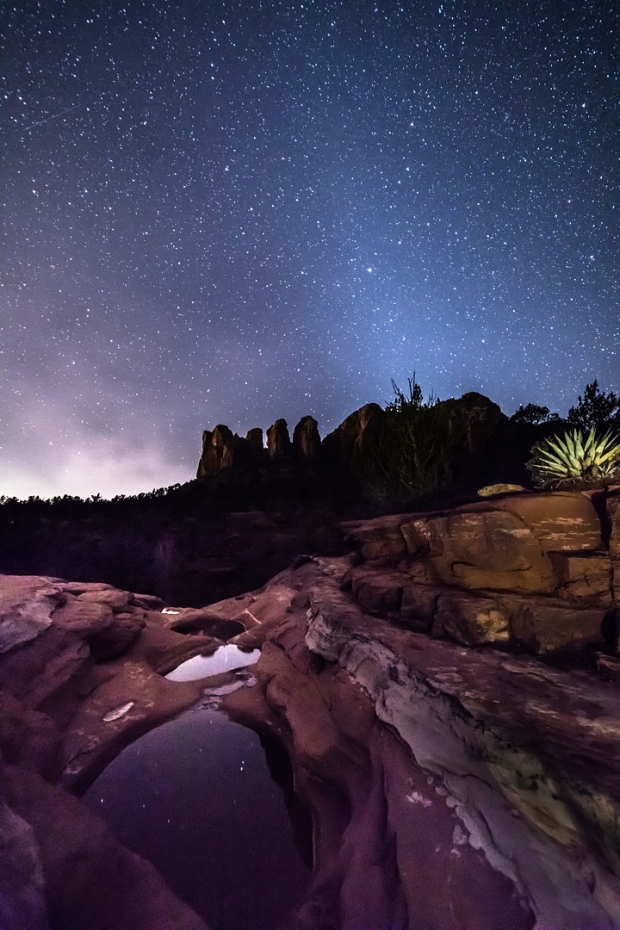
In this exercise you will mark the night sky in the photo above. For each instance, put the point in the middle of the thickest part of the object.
(229, 212)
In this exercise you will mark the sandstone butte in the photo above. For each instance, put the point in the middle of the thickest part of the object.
(480, 419)
(460, 765)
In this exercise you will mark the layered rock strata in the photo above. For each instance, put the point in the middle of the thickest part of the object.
(530, 571)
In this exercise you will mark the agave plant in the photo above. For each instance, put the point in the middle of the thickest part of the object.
(572, 458)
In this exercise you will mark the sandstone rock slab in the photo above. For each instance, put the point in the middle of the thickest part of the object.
(26, 606)
(472, 620)
(480, 548)
(381, 538)
(549, 627)
(378, 591)
(559, 520)
(584, 575)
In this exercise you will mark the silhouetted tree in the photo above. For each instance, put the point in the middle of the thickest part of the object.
(595, 410)
(532, 415)
(413, 456)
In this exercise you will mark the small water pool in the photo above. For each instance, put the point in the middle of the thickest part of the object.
(225, 659)
(197, 798)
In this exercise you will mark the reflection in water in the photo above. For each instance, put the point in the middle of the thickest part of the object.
(195, 797)
(224, 659)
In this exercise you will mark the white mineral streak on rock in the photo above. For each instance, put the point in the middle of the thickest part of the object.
(486, 782)
(416, 798)
(251, 616)
(118, 712)
(459, 837)
(322, 637)
(212, 697)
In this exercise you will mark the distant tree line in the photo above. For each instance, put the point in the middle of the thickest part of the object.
(594, 410)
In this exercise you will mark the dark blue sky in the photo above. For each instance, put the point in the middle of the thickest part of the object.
(237, 211)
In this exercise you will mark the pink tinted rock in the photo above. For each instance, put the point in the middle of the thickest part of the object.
(42, 668)
(418, 607)
(380, 538)
(99, 617)
(26, 606)
(111, 597)
(378, 591)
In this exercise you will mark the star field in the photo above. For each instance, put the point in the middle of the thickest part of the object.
(238, 211)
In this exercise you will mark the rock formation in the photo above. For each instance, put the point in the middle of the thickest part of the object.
(490, 800)
(218, 451)
(456, 781)
(278, 440)
(476, 420)
(254, 439)
(356, 435)
(479, 417)
(77, 684)
(306, 439)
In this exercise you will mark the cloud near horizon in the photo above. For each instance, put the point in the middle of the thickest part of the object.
(98, 467)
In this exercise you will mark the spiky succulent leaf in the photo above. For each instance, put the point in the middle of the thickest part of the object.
(613, 452)
(575, 457)
(590, 443)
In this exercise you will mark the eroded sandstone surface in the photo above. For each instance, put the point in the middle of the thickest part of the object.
(78, 681)
(455, 778)
(529, 570)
